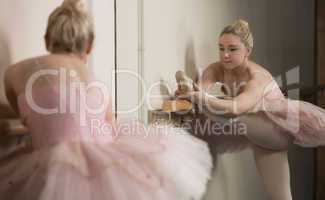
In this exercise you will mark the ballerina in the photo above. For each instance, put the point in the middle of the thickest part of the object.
(255, 100)
(79, 151)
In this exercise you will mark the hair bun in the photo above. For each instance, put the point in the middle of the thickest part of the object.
(241, 24)
(77, 4)
(69, 28)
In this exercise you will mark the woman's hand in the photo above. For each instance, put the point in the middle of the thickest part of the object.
(211, 103)
(179, 93)
(196, 95)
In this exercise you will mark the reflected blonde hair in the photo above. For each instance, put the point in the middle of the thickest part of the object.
(69, 29)
(241, 29)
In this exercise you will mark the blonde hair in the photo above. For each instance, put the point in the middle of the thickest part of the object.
(69, 29)
(241, 29)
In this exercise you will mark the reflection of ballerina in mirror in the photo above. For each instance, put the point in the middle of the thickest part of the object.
(78, 152)
(271, 121)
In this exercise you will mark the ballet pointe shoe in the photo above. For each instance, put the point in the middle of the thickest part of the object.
(185, 84)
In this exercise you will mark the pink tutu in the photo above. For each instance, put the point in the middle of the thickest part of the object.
(302, 120)
(116, 161)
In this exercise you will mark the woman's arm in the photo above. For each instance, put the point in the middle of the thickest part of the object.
(252, 94)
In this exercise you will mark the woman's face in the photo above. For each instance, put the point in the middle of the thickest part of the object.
(232, 51)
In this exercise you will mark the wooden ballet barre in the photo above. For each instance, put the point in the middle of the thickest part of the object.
(305, 90)
(176, 105)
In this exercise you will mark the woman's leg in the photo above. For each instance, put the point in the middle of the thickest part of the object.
(262, 131)
(270, 153)
(274, 170)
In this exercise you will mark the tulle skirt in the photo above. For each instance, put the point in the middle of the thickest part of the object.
(302, 120)
(161, 163)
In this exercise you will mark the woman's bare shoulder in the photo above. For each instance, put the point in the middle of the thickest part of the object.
(16, 73)
(23, 63)
(258, 71)
(212, 71)
(216, 66)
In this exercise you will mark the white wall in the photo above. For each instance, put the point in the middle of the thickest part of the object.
(23, 24)
(128, 87)
(103, 55)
